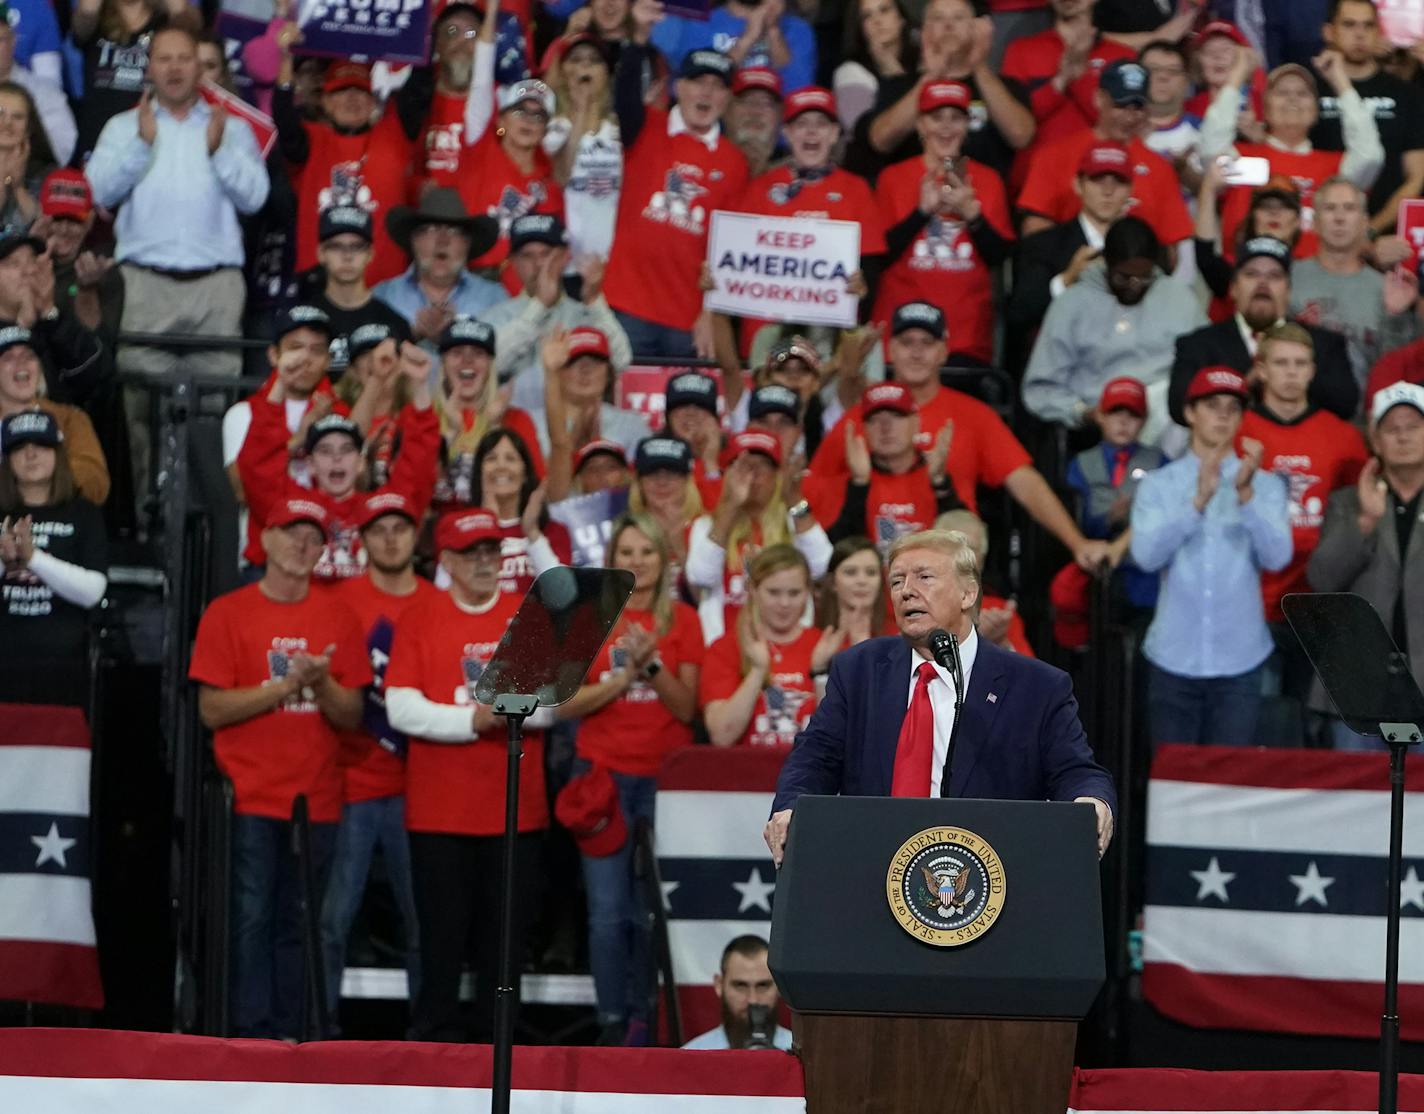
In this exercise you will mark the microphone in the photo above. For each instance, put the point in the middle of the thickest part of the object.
(945, 648)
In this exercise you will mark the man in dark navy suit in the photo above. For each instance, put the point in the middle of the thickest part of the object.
(885, 725)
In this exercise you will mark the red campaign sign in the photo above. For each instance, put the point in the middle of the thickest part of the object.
(643, 389)
(1410, 225)
(261, 124)
(1402, 21)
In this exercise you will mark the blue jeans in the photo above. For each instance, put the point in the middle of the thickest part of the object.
(620, 946)
(1218, 710)
(648, 338)
(365, 825)
(268, 988)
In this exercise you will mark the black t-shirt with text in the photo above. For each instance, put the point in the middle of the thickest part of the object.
(114, 75)
(344, 322)
(1398, 109)
(36, 624)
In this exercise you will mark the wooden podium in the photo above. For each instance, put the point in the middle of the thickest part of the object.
(938, 954)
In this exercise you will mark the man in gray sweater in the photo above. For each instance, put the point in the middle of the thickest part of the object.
(1337, 290)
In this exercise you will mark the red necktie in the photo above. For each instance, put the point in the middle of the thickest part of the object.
(1119, 472)
(914, 753)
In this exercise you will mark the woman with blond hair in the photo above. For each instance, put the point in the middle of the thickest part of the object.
(759, 681)
(639, 707)
(471, 404)
(756, 510)
(664, 490)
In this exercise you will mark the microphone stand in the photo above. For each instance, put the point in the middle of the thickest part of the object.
(950, 650)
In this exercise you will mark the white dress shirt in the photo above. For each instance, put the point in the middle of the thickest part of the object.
(942, 699)
(177, 206)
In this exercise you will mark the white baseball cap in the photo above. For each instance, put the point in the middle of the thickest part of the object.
(1396, 394)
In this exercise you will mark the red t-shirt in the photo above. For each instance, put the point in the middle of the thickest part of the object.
(368, 169)
(373, 759)
(516, 575)
(894, 506)
(457, 475)
(245, 640)
(1034, 59)
(1314, 456)
(633, 733)
(982, 450)
(491, 184)
(840, 195)
(671, 185)
(788, 697)
(458, 788)
(1307, 171)
(942, 266)
(1156, 193)
(437, 159)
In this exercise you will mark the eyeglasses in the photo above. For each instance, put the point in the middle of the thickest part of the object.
(453, 32)
(1165, 71)
(538, 115)
(1130, 282)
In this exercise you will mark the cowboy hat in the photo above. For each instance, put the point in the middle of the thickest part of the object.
(441, 206)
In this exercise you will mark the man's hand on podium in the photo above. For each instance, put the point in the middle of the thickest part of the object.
(1105, 822)
(780, 823)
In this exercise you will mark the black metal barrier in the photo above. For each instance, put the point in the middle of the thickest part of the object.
(645, 868)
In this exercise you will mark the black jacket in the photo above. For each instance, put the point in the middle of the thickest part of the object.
(1334, 387)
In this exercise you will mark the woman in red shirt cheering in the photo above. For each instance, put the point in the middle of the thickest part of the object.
(759, 679)
(640, 707)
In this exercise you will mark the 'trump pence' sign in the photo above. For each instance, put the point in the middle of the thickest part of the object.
(783, 268)
(366, 30)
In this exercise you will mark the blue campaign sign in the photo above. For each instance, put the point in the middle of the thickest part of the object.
(366, 30)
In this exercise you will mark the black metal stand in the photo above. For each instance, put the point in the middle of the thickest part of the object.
(315, 1022)
(1399, 736)
(515, 709)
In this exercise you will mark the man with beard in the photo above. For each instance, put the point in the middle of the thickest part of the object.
(373, 758)
(753, 119)
(1120, 319)
(1260, 289)
(743, 981)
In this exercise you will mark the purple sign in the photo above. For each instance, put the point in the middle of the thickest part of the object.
(589, 521)
(700, 10)
(366, 30)
(236, 31)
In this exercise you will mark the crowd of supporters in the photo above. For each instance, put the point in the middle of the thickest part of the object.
(1174, 233)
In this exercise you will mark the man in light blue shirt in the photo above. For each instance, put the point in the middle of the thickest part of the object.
(744, 981)
(441, 238)
(180, 173)
(1210, 522)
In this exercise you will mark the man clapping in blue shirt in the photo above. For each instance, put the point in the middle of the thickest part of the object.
(1210, 522)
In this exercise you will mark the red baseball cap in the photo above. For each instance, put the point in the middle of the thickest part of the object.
(752, 441)
(381, 503)
(813, 98)
(1106, 158)
(938, 94)
(1123, 393)
(888, 396)
(462, 530)
(1217, 380)
(346, 75)
(756, 77)
(1219, 27)
(588, 807)
(593, 448)
(587, 341)
(66, 193)
(288, 512)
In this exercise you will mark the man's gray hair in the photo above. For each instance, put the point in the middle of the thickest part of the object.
(954, 544)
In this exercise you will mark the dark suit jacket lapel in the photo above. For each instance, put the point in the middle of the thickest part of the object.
(1235, 343)
(888, 703)
(978, 712)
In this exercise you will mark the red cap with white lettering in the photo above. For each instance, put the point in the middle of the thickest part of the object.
(1217, 380)
(587, 341)
(941, 94)
(813, 98)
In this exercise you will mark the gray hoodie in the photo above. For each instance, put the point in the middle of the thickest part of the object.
(1090, 337)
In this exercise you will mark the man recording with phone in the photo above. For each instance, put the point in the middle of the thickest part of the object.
(939, 712)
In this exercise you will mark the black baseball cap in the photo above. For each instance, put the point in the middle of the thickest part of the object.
(1264, 247)
(698, 63)
(692, 388)
(663, 454)
(774, 399)
(333, 423)
(918, 315)
(537, 228)
(1125, 82)
(364, 338)
(343, 220)
(297, 317)
(467, 330)
(30, 427)
(12, 336)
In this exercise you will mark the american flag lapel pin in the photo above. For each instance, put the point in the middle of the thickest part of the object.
(992, 698)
